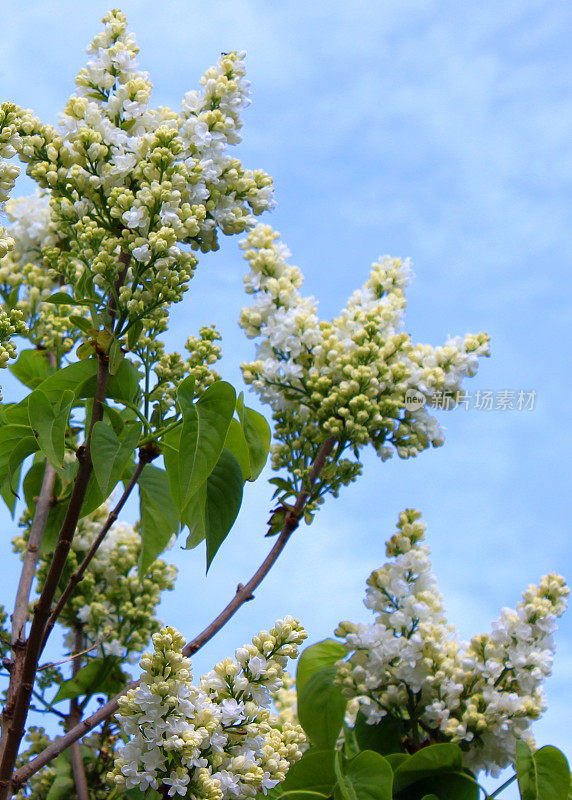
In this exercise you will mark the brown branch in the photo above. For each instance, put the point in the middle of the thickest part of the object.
(145, 456)
(78, 771)
(242, 595)
(43, 505)
(245, 592)
(25, 684)
(73, 718)
(22, 601)
(20, 615)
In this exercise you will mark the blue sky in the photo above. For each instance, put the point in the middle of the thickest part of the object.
(435, 130)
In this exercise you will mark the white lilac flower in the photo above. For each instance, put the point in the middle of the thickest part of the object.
(154, 183)
(112, 605)
(349, 378)
(216, 740)
(483, 695)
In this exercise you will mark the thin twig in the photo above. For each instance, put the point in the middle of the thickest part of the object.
(242, 595)
(145, 456)
(71, 658)
(48, 708)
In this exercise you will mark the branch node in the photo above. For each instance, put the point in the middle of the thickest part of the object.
(149, 452)
(291, 521)
(240, 588)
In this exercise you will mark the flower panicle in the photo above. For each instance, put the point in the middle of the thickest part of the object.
(217, 739)
(484, 694)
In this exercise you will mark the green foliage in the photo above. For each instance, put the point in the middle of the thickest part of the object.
(384, 738)
(433, 771)
(31, 367)
(63, 782)
(314, 772)
(235, 442)
(194, 449)
(428, 762)
(17, 442)
(214, 507)
(543, 774)
(257, 435)
(367, 776)
(159, 516)
(99, 676)
(111, 455)
(49, 420)
(319, 655)
(321, 707)
(207, 460)
(80, 378)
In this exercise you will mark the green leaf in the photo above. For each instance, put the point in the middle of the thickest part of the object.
(384, 737)
(31, 367)
(16, 413)
(50, 420)
(351, 747)
(302, 794)
(194, 517)
(396, 759)
(223, 501)
(159, 517)
(19, 454)
(118, 419)
(200, 439)
(133, 334)
(63, 784)
(542, 775)
(17, 442)
(321, 707)
(444, 786)
(80, 377)
(99, 676)
(236, 443)
(314, 772)
(13, 297)
(257, 434)
(124, 384)
(212, 510)
(9, 497)
(319, 655)
(428, 761)
(135, 794)
(75, 377)
(367, 776)
(32, 484)
(85, 325)
(115, 357)
(56, 517)
(93, 497)
(62, 299)
(85, 350)
(111, 455)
